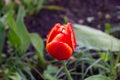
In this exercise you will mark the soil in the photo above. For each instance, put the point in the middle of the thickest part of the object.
(94, 13)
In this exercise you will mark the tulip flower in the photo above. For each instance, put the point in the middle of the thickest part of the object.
(60, 42)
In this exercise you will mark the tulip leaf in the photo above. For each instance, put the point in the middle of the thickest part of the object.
(97, 77)
(22, 30)
(12, 34)
(95, 39)
(37, 42)
(13, 38)
(18, 34)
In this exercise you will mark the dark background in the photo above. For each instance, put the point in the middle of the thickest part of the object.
(94, 13)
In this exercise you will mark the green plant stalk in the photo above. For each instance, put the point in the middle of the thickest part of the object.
(66, 70)
(42, 60)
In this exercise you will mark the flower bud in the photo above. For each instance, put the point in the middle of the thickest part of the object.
(60, 42)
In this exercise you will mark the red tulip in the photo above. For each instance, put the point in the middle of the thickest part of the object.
(61, 41)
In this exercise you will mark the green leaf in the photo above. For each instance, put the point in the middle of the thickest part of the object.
(53, 7)
(1, 5)
(12, 34)
(52, 69)
(15, 76)
(49, 72)
(48, 76)
(22, 30)
(2, 36)
(13, 38)
(28, 71)
(37, 42)
(115, 30)
(107, 28)
(105, 56)
(18, 34)
(3, 19)
(11, 21)
(40, 4)
(97, 77)
(96, 62)
(95, 39)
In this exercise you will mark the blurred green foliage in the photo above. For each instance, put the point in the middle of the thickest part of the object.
(14, 33)
(31, 6)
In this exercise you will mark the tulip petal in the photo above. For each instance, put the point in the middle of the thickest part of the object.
(64, 37)
(53, 32)
(73, 40)
(59, 50)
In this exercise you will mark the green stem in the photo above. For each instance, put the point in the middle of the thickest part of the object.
(66, 70)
